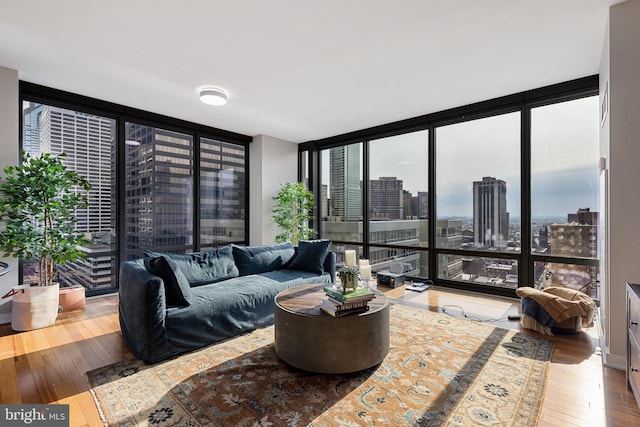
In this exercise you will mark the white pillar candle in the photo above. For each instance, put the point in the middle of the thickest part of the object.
(363, 262)
(350, 258)
(365, 272)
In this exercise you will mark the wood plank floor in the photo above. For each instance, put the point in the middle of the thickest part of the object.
(49, 365)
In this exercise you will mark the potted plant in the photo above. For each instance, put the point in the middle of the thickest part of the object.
(348, 278)
(292, 213)
(38, 204)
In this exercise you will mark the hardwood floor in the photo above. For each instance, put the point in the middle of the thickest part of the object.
(49, 365)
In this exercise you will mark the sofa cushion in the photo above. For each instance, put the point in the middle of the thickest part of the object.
(202, 268)
(176, 285)
(260, 259)
(311, 255)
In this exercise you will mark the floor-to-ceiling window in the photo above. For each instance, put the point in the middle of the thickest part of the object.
(478, 200)
(158, 183)
(398, 203)
(564, 194)
(490, 197)
(223, 189)
(159, 190)
(88, 140)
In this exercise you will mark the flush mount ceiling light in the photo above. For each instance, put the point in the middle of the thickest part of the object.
(213, 96)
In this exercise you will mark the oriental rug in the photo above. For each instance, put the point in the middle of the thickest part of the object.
(440, 370)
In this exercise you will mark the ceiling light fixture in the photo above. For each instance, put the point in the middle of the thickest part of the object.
(213, 96)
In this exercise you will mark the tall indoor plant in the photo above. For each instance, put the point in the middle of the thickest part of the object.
(38, 204)
(293, 212)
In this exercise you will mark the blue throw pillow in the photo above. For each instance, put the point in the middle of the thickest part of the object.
(203, 268)
(176, 285)
(311, 255)
(260, 259)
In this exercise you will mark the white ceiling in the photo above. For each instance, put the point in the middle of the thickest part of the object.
(301, 69)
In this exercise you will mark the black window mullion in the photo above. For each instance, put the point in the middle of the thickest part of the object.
(525, 264)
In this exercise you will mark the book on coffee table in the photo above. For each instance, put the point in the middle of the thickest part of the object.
(336, 309)
(354, 296)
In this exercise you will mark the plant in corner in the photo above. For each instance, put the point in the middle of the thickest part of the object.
(292, 213)
(38, 204)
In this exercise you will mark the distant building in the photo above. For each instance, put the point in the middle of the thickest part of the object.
(490, 216)
(583, 216)
(407, 205)
(449, 236)
(385, 199)
(324, 202)
(344, 183)
(422, 210)
(578, 237)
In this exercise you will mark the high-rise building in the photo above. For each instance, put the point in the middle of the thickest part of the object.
(490, 216)
(159, 188)
(385, 199)
(578, 237)
(344, 183)
(324, 202)
(423, 205)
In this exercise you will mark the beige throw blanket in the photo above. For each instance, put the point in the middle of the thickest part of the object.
(561, 304)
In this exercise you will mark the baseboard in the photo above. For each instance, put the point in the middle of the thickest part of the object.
(609, 360)
(614, 361)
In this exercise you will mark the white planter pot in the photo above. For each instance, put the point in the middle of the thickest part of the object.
(34, 307)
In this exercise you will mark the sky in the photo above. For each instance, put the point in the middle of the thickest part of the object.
(564, 159)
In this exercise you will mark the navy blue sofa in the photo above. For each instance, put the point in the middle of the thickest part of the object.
(173, 303)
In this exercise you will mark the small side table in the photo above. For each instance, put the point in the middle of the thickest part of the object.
(309, 339)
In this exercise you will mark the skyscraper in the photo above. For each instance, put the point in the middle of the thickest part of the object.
(385, 199)
(490, 216)
(344, 183)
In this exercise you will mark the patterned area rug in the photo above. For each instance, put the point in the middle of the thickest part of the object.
(440, 371)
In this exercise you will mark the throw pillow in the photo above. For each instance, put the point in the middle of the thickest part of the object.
(176, 285)
(203, 268)
(260, 259)
(311, 255)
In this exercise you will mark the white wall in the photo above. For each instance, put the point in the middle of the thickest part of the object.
(8, 155)
(272, 162)
(620, 145)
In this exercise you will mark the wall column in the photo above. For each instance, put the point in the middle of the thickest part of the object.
(9, 123)
(272, 163)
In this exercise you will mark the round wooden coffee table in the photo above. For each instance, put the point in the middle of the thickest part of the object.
(309, 339)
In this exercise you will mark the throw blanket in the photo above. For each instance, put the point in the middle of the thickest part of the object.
(558, 304)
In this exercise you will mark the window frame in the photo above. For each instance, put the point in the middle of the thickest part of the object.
(121, 114)
(522, 102)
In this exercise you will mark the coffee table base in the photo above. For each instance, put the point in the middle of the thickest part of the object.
(329, 345)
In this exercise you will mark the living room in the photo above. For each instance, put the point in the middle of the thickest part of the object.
(286, 91)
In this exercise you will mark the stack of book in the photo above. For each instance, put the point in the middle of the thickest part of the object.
(337, 304)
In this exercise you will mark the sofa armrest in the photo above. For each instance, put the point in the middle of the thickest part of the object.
(142, 309)
(330, 265)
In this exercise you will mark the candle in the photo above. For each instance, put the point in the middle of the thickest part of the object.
(350, 258)
(363, 262)
(365, 272)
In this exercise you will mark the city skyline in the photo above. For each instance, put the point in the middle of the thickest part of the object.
(564, 161)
